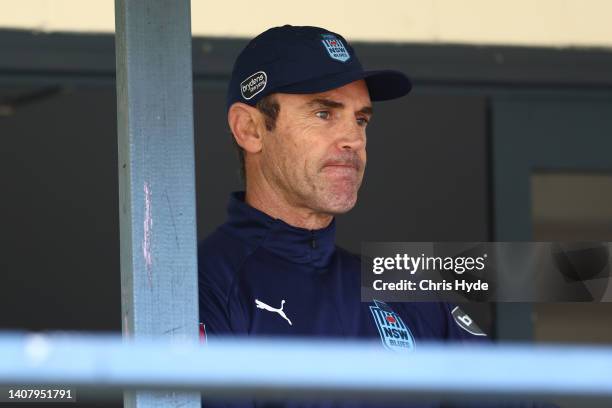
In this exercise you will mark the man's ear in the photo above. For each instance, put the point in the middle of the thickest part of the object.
(244, 122)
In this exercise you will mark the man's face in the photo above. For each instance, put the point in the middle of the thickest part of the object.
(316, 154)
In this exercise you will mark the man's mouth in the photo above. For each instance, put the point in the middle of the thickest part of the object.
(345, 165)
(341, 171)
(353, 165)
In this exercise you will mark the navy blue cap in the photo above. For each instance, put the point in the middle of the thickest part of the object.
(303, 60)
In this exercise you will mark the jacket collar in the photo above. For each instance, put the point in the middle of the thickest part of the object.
(297, 245)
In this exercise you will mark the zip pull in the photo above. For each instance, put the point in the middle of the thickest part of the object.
(313, 242)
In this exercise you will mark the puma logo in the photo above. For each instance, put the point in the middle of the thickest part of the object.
(262, 305)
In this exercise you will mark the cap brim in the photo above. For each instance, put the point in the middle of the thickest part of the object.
(387, 84)
(382, 85)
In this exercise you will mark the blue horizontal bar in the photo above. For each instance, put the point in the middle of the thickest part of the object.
(305, 368)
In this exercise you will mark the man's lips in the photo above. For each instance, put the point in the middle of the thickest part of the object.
(350, 166)
(347, 165)
(344, 171)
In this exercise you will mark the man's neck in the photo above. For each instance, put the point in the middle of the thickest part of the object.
(275, 205)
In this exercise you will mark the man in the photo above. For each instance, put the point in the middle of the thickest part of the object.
(298, 106)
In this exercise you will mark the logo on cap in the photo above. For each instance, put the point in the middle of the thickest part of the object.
(253, 85)
(335, 48)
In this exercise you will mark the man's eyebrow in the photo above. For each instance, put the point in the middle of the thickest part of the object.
(368, 110)
(328, 103)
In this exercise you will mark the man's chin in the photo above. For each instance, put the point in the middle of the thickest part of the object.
(337, 205)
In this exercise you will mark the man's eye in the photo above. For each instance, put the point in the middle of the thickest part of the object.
(362, 121)
(323, 114)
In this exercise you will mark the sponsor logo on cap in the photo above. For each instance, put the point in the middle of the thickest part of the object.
(253, 85)
(394, 334)
(335, 48)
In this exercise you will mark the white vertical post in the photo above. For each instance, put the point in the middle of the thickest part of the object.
(156, 178)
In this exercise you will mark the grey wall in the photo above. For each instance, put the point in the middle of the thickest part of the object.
(59, 257)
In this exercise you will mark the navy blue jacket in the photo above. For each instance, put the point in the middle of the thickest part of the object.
(259, 276)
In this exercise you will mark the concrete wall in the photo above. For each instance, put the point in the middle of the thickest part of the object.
(556, 23)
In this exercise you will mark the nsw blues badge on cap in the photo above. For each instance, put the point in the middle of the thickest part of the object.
(335, 48)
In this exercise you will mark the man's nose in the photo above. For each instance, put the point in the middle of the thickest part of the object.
(353, 136)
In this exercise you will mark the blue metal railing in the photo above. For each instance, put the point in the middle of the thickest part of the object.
(305, 368)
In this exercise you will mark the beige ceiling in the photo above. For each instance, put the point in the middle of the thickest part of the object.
(557, 23)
